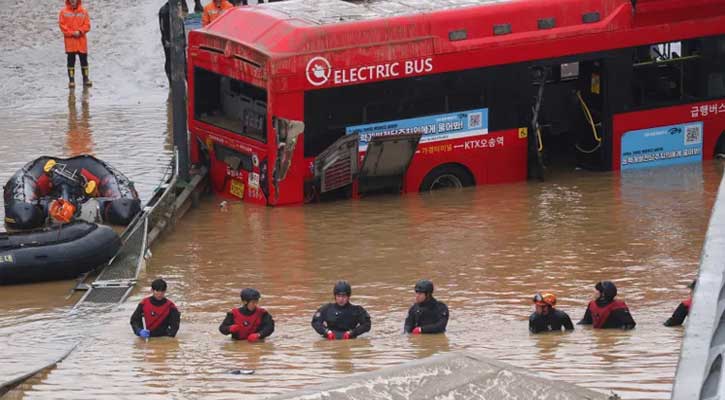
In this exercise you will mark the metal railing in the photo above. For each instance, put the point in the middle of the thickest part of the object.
(118, 278)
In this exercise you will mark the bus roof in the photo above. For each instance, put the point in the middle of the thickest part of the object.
(285, 28)
(284, 34)
(325, 12)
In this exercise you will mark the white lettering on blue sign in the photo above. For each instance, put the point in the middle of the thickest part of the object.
(433, 128)
(666, 145)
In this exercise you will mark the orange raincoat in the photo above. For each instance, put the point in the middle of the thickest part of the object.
(73, 20)
(211, 11)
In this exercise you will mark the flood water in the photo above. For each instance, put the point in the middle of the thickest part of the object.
(487, 249)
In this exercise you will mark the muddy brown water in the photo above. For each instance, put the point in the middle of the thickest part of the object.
(488, 249)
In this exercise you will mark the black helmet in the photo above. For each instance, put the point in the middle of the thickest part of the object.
(607, 289)
(158, 285)
(424, 286)
(342, 287)
(249, 294)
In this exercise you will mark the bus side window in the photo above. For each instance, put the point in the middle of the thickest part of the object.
(465, 101)
(667, 73)
(327, 114)
(378, 112)
(714, 67)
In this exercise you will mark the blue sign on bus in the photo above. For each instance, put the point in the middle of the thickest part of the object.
(433, 127)
(665, 145)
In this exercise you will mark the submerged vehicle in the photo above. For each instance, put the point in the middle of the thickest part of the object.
(62, 189)
(307, 100)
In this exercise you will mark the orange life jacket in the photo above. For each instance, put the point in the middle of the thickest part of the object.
(61, 210)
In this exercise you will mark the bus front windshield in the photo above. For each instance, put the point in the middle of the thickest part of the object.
(232, 105)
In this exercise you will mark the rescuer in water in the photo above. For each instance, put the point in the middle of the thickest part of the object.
(341, 319)
(213, 10)
(75, 23)
(249, 321)
(156, 315)
(678, 317)
(605, 312)
(427, 315)
(547, 318)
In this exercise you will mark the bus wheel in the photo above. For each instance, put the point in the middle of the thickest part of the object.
(449, 176)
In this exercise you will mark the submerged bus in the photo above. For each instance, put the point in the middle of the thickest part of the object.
(301, 100)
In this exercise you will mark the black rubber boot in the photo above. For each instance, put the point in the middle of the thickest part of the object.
(86, 80)
(71, 77)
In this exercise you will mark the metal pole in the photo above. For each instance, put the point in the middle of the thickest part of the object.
(178, 86)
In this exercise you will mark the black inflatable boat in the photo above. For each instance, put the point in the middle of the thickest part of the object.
(55, 253)
(31, 191)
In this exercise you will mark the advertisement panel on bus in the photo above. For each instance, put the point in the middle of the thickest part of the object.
(434, 128)
(665, 145)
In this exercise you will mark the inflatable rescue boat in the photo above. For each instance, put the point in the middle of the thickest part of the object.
(55, 253)
(61, 188)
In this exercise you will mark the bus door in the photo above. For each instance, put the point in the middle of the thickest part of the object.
(593, 115)
(567, 116)
(386, 161)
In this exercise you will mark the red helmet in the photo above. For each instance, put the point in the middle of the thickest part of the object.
(545, 299)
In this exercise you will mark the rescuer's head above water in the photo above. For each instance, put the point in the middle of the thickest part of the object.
(250, 298)
(342, 292)
(606, 290)
(423, 291)
(158, 286)
(544, 303)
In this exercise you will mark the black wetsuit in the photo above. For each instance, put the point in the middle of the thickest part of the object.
(555, 320)
(340, 319)
(266, 327)
(431, 316)
(678, 317)
(620, 318)
(168, 327)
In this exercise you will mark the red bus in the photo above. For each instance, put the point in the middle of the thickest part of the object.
(300, 100)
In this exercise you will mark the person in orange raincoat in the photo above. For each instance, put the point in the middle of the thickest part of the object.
(213, 10)
(75, 23)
